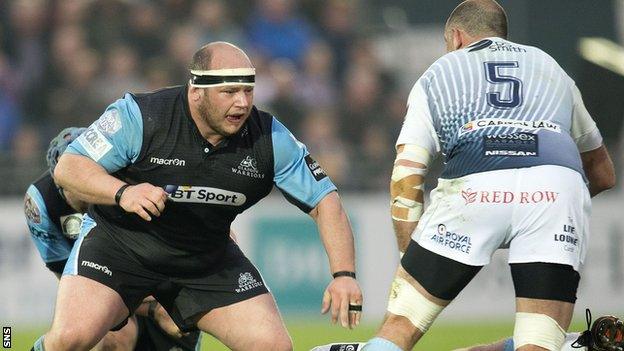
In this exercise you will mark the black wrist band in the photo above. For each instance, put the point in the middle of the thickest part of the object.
(344, 274)
(120, 192)
(151, 309)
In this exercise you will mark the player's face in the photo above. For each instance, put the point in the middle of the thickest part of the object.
(225, 109)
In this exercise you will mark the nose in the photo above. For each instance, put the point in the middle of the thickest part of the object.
(243, 99)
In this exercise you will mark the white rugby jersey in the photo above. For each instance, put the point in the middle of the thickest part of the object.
(497, 105)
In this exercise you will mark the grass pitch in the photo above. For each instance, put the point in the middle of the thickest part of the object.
(443, 336)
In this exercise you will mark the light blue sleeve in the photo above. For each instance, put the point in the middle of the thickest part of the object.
(48, 238)
(114, 141)
(301, 179)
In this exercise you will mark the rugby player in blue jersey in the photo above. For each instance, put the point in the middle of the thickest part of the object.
(168, 172)
(54, 218)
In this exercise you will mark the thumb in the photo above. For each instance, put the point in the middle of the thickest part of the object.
(326, 302)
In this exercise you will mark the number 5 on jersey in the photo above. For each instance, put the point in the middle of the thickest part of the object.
(494, 76)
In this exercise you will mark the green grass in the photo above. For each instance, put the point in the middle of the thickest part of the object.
(442, 336)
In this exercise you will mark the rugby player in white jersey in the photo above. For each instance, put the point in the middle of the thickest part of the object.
(522, 158)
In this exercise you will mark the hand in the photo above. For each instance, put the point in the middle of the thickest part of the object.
(341, 292)
(164, 321)
(144, 199)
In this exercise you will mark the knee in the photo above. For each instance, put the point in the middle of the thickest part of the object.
(116, 342)
(68, 339)
(282, 343)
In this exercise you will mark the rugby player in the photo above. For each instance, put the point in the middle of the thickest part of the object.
(54, 218)
(519, 147)
(216, 155)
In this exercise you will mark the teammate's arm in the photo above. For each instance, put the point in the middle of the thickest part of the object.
(599, 170)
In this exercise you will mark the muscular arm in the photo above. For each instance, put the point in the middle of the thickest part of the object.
(86, 179)
(336, 235)
(599, 170)
(335, 232)
(90, 182)
(407, 199)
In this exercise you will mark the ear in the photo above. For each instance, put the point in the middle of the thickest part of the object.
(195, 94)
(457, 38)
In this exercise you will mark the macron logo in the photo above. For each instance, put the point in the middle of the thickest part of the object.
(97, 266)
(168, 161)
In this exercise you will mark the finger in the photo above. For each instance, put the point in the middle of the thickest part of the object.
(344, 311)
(326, 302)
(143, 214)
(335, 309)
(160, 204)
(151, 208)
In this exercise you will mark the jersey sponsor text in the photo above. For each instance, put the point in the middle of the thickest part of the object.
(201, 194)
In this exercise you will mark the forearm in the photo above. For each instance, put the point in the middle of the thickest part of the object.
(86, 179)
(403, 231)
(335, 232)
(599, 170)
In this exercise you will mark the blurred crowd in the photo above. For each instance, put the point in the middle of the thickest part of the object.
(62, 62)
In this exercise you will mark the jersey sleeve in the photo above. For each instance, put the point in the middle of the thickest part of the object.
(113, 141)
(47, 237)
(301, 179)
(584, 130)
(418, 124)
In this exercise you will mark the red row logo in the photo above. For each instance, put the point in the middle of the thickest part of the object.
(507, 197)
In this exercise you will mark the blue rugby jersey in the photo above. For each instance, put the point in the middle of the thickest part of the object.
(497, 105)
(152, 138)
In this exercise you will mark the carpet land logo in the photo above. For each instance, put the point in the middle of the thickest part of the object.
(246, 281)
(248, 167)
(508, 197)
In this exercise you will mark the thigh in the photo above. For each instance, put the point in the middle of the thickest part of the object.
(247, 325)
(97, 257)
(235, 280)
(468, 218)
(551, 222)
(86, 310)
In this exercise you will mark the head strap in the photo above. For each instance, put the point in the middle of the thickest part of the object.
(223, 77)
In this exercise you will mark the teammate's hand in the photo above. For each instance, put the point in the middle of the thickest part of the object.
(340, 293)
(164, 321)
(144, 199)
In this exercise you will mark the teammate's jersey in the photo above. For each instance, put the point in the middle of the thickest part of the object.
(53, 224)
(152, 138)
(497, 105)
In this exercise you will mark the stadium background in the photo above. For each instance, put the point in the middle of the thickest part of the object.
(337, 72)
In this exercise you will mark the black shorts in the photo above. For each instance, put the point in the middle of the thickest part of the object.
(233, 279)
(152, 338)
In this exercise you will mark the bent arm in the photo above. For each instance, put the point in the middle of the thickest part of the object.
(599, 170)
(86, 179)
(335, 232)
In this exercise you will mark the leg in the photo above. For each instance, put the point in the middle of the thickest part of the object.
(85, 312)
(418, 295)
(122, 340)
(545, 296)
(253, 324)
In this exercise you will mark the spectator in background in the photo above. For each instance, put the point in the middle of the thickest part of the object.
(284, 102)
(317, 88)
(277, 31)
(121, 74)
(183, 41)
(321, 134)
(338, 28)
(146, 27)
(10, 115)
(213, 21)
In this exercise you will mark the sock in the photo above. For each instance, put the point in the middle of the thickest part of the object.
(508, 345)
(380, 344)
(38, 345)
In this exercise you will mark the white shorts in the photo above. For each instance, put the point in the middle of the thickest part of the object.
(540, 213)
